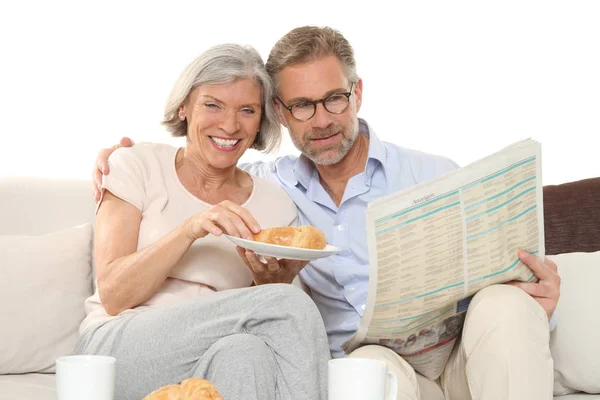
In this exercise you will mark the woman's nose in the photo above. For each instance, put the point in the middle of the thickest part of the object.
(230, 123)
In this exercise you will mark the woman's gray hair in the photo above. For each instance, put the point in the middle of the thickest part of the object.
(223, 64)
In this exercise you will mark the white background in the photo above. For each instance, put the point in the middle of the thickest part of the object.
(457, 78)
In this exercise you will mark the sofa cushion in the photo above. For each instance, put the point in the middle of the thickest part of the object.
(28, 387)
(572, 217)
(574, 342)
(47, 279)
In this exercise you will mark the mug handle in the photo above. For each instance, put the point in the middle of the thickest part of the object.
(393, 383)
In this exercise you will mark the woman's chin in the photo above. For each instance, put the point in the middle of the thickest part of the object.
(223, 162)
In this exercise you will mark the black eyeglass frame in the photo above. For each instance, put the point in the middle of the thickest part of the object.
(315, 102)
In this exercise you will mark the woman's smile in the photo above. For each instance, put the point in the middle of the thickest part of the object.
(224, 144)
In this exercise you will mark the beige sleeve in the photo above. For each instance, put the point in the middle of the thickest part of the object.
(127, 176)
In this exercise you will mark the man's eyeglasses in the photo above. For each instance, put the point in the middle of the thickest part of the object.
(334, 104)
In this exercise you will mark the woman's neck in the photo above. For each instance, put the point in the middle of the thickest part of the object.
(196, 173)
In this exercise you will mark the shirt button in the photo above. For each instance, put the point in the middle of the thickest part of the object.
(363, 307)
(350, 289)
(341, 227)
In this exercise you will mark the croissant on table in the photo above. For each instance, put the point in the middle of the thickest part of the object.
(305, 237)
(189, 389)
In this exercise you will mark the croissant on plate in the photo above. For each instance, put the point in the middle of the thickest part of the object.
(189, 389)
(305, 237)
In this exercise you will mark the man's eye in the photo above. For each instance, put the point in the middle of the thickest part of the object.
(336, 98)
(302, 106)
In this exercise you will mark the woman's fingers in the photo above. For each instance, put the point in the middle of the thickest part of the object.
(231, 222)
(227, 217)
(255, 264)
(273, 265)
(210, 227)
(226, 222)
(244, 215)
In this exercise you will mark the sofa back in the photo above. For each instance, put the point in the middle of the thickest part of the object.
(36, 206)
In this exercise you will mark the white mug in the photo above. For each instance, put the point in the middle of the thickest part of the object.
(359, 379)
(85, 377)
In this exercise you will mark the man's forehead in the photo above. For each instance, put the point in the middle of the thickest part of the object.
(312, 79)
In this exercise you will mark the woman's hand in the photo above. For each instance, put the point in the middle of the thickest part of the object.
(273, 271)
(225, 217)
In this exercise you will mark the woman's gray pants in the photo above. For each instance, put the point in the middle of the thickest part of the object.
(259, 343)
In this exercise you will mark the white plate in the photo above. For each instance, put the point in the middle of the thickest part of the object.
(289, 253)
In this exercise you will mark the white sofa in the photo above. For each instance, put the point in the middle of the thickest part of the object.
(44, 279)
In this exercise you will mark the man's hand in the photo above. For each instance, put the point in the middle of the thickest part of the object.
(101, 166)
(274, 271)
(547, 290)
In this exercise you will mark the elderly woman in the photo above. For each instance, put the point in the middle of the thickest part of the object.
(174, 299)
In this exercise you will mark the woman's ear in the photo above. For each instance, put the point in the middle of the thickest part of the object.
(181, 113)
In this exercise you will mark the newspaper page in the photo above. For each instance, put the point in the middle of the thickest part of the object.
(434, 245)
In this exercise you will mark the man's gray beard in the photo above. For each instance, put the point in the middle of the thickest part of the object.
(346, 145)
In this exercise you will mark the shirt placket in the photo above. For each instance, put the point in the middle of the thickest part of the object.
(343, 264)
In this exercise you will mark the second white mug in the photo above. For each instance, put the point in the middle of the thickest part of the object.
(359, 379)
(85, 377)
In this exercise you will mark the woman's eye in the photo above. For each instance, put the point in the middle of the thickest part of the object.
(248, 110)
(211, 106)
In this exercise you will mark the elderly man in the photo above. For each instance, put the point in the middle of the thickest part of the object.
(503, 352)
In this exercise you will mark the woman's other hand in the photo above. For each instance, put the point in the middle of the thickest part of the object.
(273, 271)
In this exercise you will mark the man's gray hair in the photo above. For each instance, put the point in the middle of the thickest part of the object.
(310, 43)
(223, 64)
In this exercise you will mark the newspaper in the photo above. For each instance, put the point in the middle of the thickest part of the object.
(434, 245)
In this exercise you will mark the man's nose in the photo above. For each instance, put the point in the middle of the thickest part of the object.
(322, 117)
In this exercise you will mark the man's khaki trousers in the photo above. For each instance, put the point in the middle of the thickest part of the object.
(503, 353)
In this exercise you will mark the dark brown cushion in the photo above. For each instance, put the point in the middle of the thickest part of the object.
(572, 217)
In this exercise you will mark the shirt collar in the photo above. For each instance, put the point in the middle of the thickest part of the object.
(304, 170)
(377, 151)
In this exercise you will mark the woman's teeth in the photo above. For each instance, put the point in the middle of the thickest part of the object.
(225, 142)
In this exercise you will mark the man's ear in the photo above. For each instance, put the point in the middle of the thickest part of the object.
(279, 111)
(358, 90)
